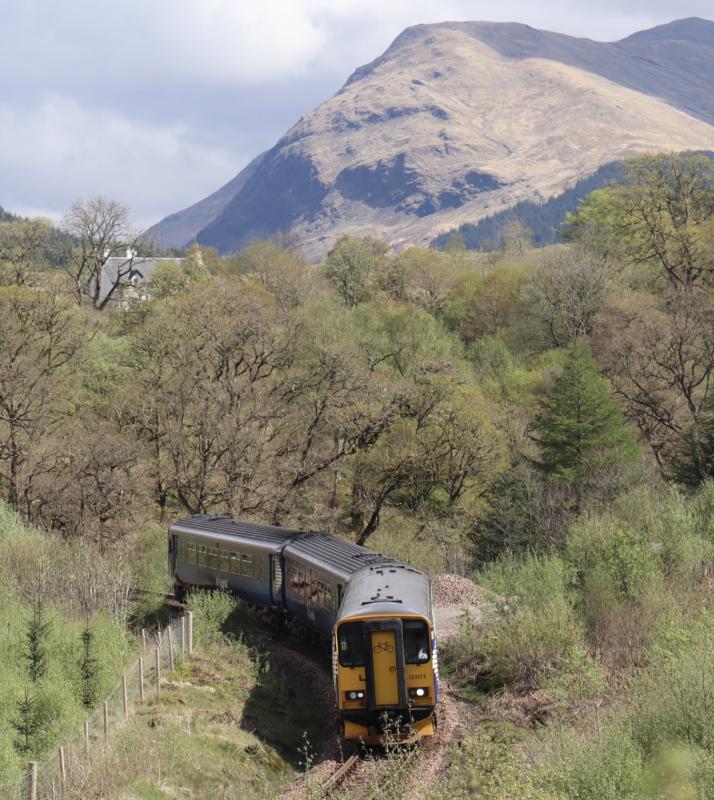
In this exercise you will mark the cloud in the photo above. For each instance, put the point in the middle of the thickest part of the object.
(159, 103)
(58, 151)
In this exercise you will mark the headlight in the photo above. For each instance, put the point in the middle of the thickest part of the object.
(354, 695)
(419, 691)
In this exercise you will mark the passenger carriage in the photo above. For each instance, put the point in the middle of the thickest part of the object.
(375, 611)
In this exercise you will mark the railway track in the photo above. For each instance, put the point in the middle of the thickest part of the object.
(339, 775)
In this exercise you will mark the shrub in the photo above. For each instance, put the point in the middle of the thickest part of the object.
(616, 551)
(675, 696)
(608, 768)
(211, 611)
(535, 579)
(535, 645)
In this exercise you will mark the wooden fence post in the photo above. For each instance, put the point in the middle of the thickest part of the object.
(32, 780)
(143, 638)
(106, 720)
(189, 617)
(63, 766)
(125, 697)
(171, 651)
(158, 669)
(86, 736)
(183, 637)
(141, 679)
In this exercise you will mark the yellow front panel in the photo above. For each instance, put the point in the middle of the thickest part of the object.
(384, 667)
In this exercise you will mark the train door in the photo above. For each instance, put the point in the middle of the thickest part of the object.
(276, 580)
(173, 546)
(386, 663)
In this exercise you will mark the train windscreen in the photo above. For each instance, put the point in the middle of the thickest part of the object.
(351, 644)
(416, 641)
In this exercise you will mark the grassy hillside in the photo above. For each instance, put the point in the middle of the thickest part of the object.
(545, 220)
(45, 609)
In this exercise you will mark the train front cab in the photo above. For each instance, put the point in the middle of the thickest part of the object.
(386, 677)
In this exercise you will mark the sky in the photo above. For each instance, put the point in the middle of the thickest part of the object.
(157, 104)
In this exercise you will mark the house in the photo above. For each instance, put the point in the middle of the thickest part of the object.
(126, 277)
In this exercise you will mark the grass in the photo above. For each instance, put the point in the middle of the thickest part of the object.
(225, 726)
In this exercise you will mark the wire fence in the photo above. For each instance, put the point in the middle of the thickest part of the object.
(160, 653)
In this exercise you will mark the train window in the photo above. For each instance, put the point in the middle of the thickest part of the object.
(351, 644)
(416, 641)
(247, 565)
(235, 564)
(223, 560)
(190, 553)
(213, 557)
(202, 555)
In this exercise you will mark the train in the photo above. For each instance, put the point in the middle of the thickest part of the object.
(375, 612)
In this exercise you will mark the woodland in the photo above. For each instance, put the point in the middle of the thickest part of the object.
(540, 419)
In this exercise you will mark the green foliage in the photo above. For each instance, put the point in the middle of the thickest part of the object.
(88, 671)
(211, 612)
(350, 266)
(37, 630)
(536, 642)
(580, 431)
(661, 217)
(534, 580)
(610, 769)
(693, 460)
(623, 555)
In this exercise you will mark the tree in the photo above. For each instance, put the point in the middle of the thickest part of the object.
(662, 216)
(693, 460)
(37, 630)
(40, 339)
(173, 277)
(27, 723)
(100, 228)
(22, 250)
(419, 276)
(570, 288)
(88, 671)
(349, 267)
(580, 430)
(659, 355)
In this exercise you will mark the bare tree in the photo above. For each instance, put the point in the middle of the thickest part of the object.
(570, 288)
(660, 358)
(100, 227)
(39, 339)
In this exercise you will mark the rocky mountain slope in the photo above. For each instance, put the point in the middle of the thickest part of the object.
(459, 120)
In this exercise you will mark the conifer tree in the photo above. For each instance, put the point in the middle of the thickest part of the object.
(693, 462)
(580, 430)
(36, 654)
(88, 671)
(27, 722)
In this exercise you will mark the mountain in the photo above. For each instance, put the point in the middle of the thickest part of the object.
(458, 121)
(181, 228)
(544, 220)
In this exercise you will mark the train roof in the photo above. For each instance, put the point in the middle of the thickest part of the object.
(227, 529)
(389, 588)
(336, 556)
